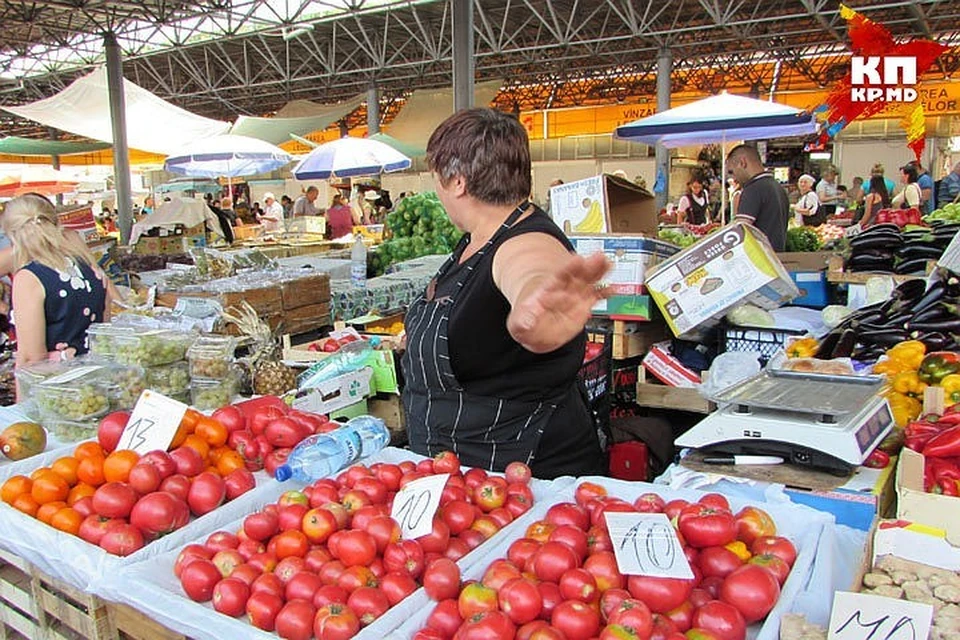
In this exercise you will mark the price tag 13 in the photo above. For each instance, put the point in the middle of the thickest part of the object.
(153, 423)
(645, 544)
(860, 616)
(415, 504)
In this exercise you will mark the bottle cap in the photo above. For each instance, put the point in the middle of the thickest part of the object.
(283, 472)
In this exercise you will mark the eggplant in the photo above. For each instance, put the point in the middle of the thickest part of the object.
(912, 267)
(934, 312)
(828, 344)
(845, 344)
(886, 338)
(876, 317)
(887, 242)
(931, 296)
(877, 228)
(945, 325)
(933, 341)
(919, 251)
(870, 353)
(909, 290)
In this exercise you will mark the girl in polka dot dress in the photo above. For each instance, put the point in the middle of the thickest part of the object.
(58, 290)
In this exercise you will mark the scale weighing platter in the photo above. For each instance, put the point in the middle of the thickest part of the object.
(803, 392)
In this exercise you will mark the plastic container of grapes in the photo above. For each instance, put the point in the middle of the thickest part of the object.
(73, 430)
(209, 395)
(76, 394)
(150, 348)
(124, 382)
(168, 379)
(211, 357)
(33, 374)
(101, 338)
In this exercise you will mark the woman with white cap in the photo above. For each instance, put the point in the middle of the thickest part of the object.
(805, 211)
(272, 216)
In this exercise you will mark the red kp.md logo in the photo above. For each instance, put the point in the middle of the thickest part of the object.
(883, 79)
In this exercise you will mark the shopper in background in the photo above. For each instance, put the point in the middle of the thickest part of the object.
(555, 183)
(694, 205)
(878, 170)
(58, 289)
(304, 205)
(949, 187)
(339, 218)
(910, 195)
(226, 206)
(763, 202)
(828, 193)
(877, 199)
(855, 194)
(286, 204)
(272, 216)
(807, 209)
(359, 209)
(925, 182)
(495, 343)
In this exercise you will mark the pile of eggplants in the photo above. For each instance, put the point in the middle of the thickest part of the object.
(914, 311)
(887, 248)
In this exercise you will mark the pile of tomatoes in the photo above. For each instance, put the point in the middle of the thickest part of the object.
(562, 582)
(328, 560)
(120, 500)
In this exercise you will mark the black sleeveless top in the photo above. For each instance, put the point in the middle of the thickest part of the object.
(73, 299)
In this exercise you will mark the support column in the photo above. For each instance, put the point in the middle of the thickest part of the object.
(118, 117)
(664, 69)
(55, 160)
(463, 66)
(373, 110)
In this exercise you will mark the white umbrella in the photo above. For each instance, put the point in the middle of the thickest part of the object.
(228, 156)
(348, 158)
(717, 119)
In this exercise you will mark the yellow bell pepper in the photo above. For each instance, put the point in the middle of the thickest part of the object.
(909, 384)
(739, 549)
(889, 367)
(910, 354)
(951, 388)
(904, 408)
(803, 348)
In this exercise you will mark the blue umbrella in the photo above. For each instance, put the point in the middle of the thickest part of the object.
(349, 158)
(228, 156)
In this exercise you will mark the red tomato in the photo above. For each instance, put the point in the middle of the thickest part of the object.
(238, 482)
(445, 618)
(188, 461)
(177, 485)
(699, 597)
(550, 594)
(521, 550)
(93, 528)
(579, 584)
(520, 600)
(144, 478)
(721, 619)
(207, 492)
(441, 579)
(775, 545)
(587, 491)
(498, 573)
(335, 622)
(774, 564)
(703, 526)
(650, 503)
(752, 590)
(261, 526)
(121, 539)
(231, 418)
(490, 624)
(633, 614)
(472, 538)
(397, 586)
(368, 603)
(753, 523)
(199, 578)
(247, 573)
(353, 578)
(436, 541)
(111, 428)
(718, 561)
(295, 620)
(458, 515)
(267, 583)
(552, 560)
(663, 628)
(302, 586)
(230, 597)
(598, 540)
(682, 616)
(162, 461)
(259, 418)
(570, 514)
(490, 495)
(610, 600)
(114, 500)
(220, 540)
(674, 507)
(227, 560)
(660, 594)
(457, 549)
(405, 556)
(329, 594)
(446, 462)
(603, 567)
(159, 513)
(576, 620)
(263, 608)
(715, 500)
(474, 599)
(572, 536)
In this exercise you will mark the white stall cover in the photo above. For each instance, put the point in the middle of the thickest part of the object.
(168, 215)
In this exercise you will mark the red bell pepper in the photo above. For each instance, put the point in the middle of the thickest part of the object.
(948, 487)
(944, 445)
(877, 460)
(918, 433)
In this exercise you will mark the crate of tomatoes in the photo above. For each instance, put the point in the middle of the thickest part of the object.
(561, 578)
(326, 560)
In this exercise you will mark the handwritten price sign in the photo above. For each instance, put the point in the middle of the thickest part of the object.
(415, 505)
(153, 423)
(645, 544)
(860, 616)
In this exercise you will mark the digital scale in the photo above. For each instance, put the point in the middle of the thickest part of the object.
(812, 420)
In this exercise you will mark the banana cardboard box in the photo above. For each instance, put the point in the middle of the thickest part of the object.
(603, 204)
(734, 265)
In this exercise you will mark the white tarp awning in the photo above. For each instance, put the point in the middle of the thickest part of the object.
(425, 109)
(277, 130)
(153, 124)
(176, 211)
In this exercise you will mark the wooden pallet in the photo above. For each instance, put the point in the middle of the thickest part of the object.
(66, 612)
(18, 615)
(133, 625)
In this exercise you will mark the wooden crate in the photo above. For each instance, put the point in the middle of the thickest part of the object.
(18, 615)
(305, 291)
(662, 396)
(836, 273)
(66, 612)
(305, 319)
(133, 625)
(631, 339)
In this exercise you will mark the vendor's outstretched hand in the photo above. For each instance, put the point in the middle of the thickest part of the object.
(553, 309)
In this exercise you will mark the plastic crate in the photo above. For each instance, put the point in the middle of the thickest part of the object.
(596, 375)
(762, 340)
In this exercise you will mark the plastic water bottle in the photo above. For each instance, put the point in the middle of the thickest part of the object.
(324, 454)
(351, 356)
(358, 264)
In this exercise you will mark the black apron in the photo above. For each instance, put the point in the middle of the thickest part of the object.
(697, 213)
(483, 431)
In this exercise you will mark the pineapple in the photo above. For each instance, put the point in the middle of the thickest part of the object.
(270, 377)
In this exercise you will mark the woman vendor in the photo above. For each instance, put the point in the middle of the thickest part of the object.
(495, 342)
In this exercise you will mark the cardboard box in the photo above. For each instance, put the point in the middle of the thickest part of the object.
(148, 246)
(335, 393)
(603, 204)
(632, 257)
(732, 266)
(915, 505)
(805, 260)
(813, 289)
(667, 369)
(852, 504)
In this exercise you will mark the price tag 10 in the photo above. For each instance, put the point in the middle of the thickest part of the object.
(415, 505)
(153, 423)
(645, 544)
(861, 616)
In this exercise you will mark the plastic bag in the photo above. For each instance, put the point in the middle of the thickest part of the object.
(729, 369)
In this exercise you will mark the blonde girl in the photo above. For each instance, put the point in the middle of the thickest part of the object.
(58, 290)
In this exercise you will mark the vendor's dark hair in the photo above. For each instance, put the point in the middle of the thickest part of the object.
(879, 186)
(489, 149)
(911, 171)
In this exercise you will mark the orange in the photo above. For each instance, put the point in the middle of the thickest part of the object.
(189, 420)
(117, 465)
(198, 444)
(230, 462)
(14, 487)
(66, 468)
(87, 450)
(50, 488)
(217, 453)
(212, 432)
(90, 471)
(25, 503)
(79, 492)
(46, 511)
(179, 437)
(66, 520)
(42, 471)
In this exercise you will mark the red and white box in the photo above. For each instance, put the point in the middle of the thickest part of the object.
(670, 371)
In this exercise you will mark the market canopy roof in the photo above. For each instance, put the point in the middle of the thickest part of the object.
(427, 108)
(17, 146)
(278, 129)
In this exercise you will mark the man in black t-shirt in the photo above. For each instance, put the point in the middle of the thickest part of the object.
(763, 202)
